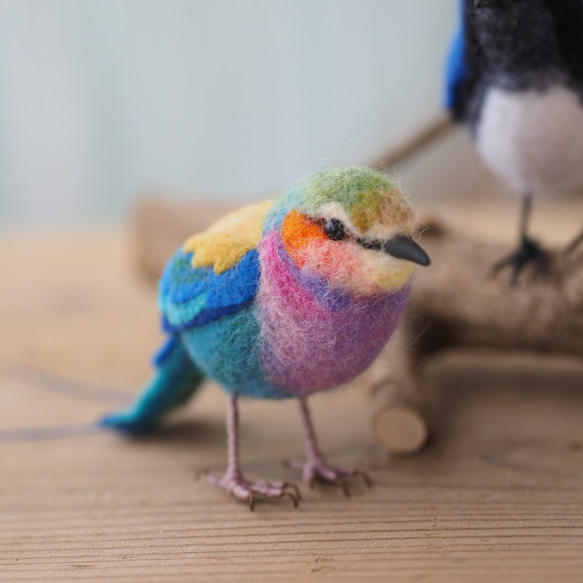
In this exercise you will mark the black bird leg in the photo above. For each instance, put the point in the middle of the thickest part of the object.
(529, 251)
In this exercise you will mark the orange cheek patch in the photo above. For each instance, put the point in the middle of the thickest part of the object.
(344, 266)
(297, 233)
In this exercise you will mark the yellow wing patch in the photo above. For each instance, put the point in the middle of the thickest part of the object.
(224, 243)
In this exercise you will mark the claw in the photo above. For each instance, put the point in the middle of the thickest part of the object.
(296, 490)
(320, 471)
(233, 480)
(340, 483)
(248, 491)
(365, 478)
(529, 251)
(292, 497)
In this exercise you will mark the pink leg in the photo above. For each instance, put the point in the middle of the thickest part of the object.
(234, 482)
(315, 466)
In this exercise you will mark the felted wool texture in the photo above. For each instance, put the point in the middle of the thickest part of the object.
(228, 240)
(366, 196)
(301, 335)
(283, 310)
(515, 75)
(518, 45)
(315, 336)
(227, 350)
(176, 379)
(189, 297)
(343, 265)
(533, 139)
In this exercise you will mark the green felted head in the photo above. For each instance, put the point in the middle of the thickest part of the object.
(366, 196)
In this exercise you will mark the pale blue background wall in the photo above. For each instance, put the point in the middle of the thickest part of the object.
(102, 98)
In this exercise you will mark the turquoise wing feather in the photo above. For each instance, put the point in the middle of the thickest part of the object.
(192, 296)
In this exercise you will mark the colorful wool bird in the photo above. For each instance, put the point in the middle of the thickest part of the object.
(280, 300)
(515, 77)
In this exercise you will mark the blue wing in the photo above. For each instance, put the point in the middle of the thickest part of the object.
(456, 68)
(190, 297)
(187, 297)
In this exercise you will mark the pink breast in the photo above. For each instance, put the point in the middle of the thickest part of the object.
(314, 337)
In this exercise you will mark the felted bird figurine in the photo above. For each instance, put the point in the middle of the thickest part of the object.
(280, 300)
(515, 77)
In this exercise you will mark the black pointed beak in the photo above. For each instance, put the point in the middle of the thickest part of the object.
(404, 247)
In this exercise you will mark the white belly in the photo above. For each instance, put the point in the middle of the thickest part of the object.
(533, 139)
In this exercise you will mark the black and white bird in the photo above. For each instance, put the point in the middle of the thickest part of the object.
(515, 77)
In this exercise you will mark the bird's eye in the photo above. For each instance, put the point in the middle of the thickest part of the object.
(335, 229)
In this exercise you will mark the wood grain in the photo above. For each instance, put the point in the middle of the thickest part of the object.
(498, 494)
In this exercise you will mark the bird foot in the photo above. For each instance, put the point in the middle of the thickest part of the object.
(318, 469)
(529, 251)
(247, 490)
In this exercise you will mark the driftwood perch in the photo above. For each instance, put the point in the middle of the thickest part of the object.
(455, 304)
(160, 226)
(397, 410)
(466, 307)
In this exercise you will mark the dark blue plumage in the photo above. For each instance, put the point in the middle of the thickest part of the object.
(456, 69)
(191, 297)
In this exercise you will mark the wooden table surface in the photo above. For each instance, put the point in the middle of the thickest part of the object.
(497, 495)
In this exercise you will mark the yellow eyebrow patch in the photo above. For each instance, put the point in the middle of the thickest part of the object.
(225, 243)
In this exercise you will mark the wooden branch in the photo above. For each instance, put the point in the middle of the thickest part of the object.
(465, 307)
(159, 226)
(397, 413)
(413, 142)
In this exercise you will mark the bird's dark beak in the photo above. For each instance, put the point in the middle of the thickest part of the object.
(485, 3)
(404, 247)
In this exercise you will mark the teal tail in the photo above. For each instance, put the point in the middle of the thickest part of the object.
(176, 380)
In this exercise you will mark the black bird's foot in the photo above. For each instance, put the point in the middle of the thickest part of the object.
(529, 251)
